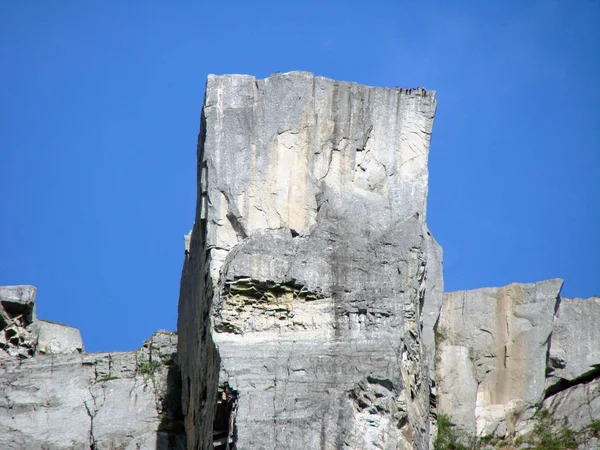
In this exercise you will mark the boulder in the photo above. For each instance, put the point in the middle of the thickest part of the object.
(55, 338)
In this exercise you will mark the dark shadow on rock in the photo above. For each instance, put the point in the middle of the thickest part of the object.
(224, 426)
(171, 430)
(562, 384)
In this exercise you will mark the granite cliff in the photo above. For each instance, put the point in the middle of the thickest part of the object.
(508, 357)
(311, 310)
(311, 298)
(54, 396)
(310, 267)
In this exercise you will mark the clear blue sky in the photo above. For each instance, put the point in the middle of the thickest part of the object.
(99, 115)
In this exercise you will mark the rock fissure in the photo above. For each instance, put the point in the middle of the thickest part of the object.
(563, 385)
(91, 412)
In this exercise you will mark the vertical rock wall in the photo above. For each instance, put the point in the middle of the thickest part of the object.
(312, 284)
(520, 361)
(492, 350)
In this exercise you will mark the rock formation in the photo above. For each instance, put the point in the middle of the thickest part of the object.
(310, 266)
(311, 311)
(311, 286)
(22, 335)
(505, 354)
(55, 397)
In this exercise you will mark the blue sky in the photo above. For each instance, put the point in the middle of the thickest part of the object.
(100, 110)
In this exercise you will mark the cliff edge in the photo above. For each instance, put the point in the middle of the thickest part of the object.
(310, 267)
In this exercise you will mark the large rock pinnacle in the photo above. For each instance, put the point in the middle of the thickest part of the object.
(312, 284)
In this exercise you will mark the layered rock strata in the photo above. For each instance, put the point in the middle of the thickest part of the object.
(55, 397)
(311, 283)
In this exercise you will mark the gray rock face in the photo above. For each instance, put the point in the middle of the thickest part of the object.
(515, 360)
(17, 314)
(18, 300)
(311, 311)
(55, 397)
(575, 349)
(104, 401)
(22, 335)
(578, 408)
(491, 354)
(310, 267)
(55, 338)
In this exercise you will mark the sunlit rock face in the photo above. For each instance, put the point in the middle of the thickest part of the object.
(54, 396)
(507, 356)
(311, 283)
(492, 346)
(575, 349)
(101, 401)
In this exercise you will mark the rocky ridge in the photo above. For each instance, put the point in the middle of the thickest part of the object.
(313, 286)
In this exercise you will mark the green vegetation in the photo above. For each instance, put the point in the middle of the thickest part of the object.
(594, 428)
(148, 367)
(543, 437)
(547, 434)
(448, 437)
(451, 438)
(439, 335)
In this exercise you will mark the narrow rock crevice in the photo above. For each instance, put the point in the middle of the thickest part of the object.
(91, 412)
(563, 385)
(235, 217)
(224, 426)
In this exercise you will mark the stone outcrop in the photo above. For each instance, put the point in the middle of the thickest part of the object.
(575, 349)
(56, 338)
(17, 314)
(311, 283)
(504, 355)
(22, 335)
(55, 397)
(311, 290)
(496, 341)
(577, 408)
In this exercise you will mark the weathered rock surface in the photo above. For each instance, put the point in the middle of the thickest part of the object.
(310, 266)
(18, 300)
(104, 401)
(311, 311)
(492, 350)
(519, 360)
(54, 397)
(575, 349)
(578, 409)
(56, 338)
(17, 314)
(22, 335)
